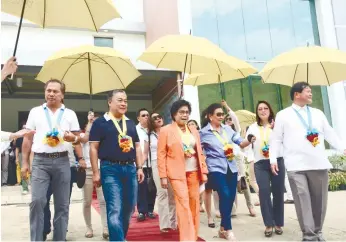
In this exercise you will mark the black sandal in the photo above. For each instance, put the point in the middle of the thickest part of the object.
(268, 233)
(279, 231)
(211, 225)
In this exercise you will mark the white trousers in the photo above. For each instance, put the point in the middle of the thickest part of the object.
(165, 201)
(87, 199)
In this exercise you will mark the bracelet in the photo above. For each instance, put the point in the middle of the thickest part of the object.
(139, 168)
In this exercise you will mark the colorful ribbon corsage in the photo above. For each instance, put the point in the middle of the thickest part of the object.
(53, 138)
(312, 136)
(125, 143)
(228, 149)
(189, 151)
(265, 150)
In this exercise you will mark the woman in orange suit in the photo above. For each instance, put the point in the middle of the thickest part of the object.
(181, 161)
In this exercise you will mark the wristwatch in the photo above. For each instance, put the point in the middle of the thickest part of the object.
(139, 168)
(80, 158)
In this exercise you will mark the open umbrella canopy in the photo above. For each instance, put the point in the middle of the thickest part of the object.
(188, 54)
(246, 118)
(315, 65)
(89, 69)
(86, 14)
(240, 69)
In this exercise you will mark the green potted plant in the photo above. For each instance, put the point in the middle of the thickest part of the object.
(337, 175)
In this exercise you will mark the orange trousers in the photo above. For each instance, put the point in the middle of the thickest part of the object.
(186, 195)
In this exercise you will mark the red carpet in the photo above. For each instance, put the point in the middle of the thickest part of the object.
(148, 230)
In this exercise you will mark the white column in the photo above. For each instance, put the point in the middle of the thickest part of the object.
(185, 26)
(328, 38)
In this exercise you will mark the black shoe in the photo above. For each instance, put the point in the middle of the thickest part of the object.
(140, 217)
(268, 233)
(151, 215)
(287, 201)
(279, 231)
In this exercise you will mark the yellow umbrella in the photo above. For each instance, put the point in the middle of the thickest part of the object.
(89, 69)
(246, 118)
(240, 69)
(315, 65)
(188, 54)
(86, 14)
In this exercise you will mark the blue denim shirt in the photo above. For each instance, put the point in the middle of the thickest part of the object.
(213, 148)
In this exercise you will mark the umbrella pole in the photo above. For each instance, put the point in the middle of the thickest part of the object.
(19, 29)
(181, 94)
(90, 81)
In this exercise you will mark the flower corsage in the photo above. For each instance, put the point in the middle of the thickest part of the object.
(265, 150)
(125, 143)
(228, 149)
(188, 151)
(53, 138)
(312, 136)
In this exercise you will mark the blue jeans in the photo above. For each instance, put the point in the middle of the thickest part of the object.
(226, 187)
(47, 213)
(120, 186)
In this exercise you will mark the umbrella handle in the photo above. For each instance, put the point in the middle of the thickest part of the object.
(18, 32)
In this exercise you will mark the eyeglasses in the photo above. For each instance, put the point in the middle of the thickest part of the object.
(157, 117)
(182, 112)
(220, 114)
(144, 115)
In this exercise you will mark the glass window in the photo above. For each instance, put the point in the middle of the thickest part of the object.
(257, 30)
(103, 42)
(341, 37)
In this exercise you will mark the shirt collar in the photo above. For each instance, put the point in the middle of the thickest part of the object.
(107, 117)
(210, 128)
(299, 108)
(141, 127)
(45, 106)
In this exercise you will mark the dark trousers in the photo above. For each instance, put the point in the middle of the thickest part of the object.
(146, 199)
(272, 211)
(226, 187)
(47, 212)
(119, 185)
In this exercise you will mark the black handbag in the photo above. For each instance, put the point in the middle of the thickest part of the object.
(150, 178)
(80, 177)
(242, 184)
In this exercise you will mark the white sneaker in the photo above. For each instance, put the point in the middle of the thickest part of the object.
(24, 192)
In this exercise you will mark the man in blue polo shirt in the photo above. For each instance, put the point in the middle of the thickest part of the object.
(114, 140)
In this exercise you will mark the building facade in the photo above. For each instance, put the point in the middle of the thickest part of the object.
(252, 30)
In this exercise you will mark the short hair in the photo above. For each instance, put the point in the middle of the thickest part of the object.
(271, 113)
(211, 109)
(298, 87)
(110, 94)
(62, 85)
(140, 110)
(177, 105)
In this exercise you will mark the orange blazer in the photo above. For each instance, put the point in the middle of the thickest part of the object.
(170, 153)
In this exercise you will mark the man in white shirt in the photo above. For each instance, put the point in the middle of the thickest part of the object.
(55, 126)
(302, 130)
(146, 197)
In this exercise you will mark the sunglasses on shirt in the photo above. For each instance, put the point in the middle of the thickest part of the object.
(157, 117)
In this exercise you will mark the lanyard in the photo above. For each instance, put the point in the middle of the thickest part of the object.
(50, 121)
(308, 125)
(186, 138)
(123, 132)
(223, 140)
(264, 135)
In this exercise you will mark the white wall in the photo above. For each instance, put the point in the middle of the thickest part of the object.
(11, 107)
(336, 92)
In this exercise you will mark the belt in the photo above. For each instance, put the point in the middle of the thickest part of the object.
(122, 162)
(54, 155)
